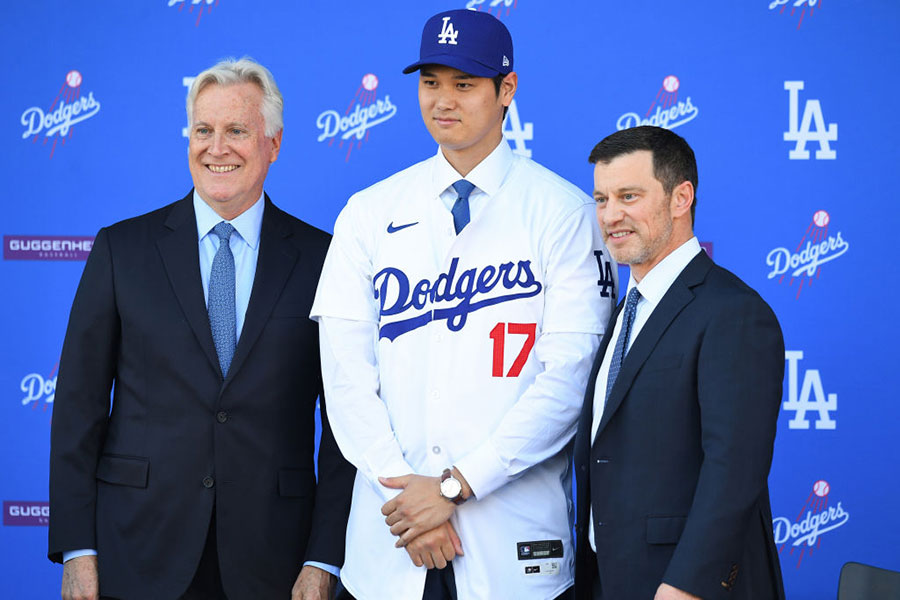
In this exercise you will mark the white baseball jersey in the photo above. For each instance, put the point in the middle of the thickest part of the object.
(470, 350)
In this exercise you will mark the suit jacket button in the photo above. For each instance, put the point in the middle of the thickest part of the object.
(208, 482)
(221, 416)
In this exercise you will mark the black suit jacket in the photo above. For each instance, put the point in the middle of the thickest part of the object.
(139, 480)
(677, 472)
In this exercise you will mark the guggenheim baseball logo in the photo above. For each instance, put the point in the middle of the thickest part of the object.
(804, 263)
(666, 110)
(25, 513)
(365, 111)
(68, 108)
(817, 517)
(47, 247)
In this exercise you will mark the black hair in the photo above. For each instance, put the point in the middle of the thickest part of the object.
(673, 159)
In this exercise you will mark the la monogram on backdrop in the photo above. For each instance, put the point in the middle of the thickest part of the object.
(465, 346)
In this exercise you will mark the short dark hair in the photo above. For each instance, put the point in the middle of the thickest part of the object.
(673, 159)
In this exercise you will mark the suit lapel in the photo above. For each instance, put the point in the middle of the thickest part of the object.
(179, 248)
(277, 256)
(676, 298)
(587, 409)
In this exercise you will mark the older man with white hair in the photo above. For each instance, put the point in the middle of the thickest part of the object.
(198, 479)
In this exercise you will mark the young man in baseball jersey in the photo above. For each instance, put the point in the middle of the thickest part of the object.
(459, 309)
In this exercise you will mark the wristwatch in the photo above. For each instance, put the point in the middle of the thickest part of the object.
(451, 488)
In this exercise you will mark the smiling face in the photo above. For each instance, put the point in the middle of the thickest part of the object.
(641, 225)
(229, 154)
(464, 114)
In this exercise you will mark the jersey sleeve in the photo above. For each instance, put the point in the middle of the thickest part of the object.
(543, 420)
(347, 312)
(581, 277)
(345, 286)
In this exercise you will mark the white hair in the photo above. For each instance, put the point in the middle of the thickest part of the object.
(246, 70)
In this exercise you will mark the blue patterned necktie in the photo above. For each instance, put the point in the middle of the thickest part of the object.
(222, 318)
(622, 343)
(460, 208)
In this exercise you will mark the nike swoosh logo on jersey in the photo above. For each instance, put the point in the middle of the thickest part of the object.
(392, 229)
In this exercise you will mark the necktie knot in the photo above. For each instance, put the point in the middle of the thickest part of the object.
(460, 208)
(463, 188)
(634, 297)
(224, 231)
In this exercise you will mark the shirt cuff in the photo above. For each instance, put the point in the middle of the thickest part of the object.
(329, 568)
(483, 469)
(67, 556)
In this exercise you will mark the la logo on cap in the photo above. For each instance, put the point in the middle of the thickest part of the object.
(448, 33)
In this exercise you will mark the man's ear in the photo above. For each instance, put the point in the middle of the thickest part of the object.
(682, 199)
(276, 146)
(508, 88)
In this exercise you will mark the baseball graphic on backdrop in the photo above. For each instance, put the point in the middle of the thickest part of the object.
(670, 83)
(370, 81)
(73, 78)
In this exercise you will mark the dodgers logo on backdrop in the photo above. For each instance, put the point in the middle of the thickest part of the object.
(192, 4)
(795, 4)
(802, 133)
(17, 513)
(669, 113)
(365, 111)
(491, 5)
(38, 389)
(809, 398)
(68, 108)
(465, 293)
(47, 247)
(817, 517)
(517, 132)
(816, 248)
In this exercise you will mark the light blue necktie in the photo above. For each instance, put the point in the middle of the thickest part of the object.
(460, 208)
(222, 318)
(622, 343)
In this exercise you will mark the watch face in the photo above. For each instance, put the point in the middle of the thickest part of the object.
(450, 488)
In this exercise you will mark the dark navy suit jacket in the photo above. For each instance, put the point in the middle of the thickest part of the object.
(139, 480)
(677, 472)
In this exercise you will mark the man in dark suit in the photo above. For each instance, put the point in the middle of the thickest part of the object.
(675, 438)
(200, 482)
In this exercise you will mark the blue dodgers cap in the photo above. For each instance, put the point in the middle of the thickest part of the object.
(474, 42)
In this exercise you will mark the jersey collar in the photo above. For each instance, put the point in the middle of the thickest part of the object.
(487, 176)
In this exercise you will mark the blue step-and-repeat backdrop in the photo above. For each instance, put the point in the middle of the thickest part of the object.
(787, 103)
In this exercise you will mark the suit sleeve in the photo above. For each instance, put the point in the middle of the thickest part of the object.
(87, 369)
(739, 386)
